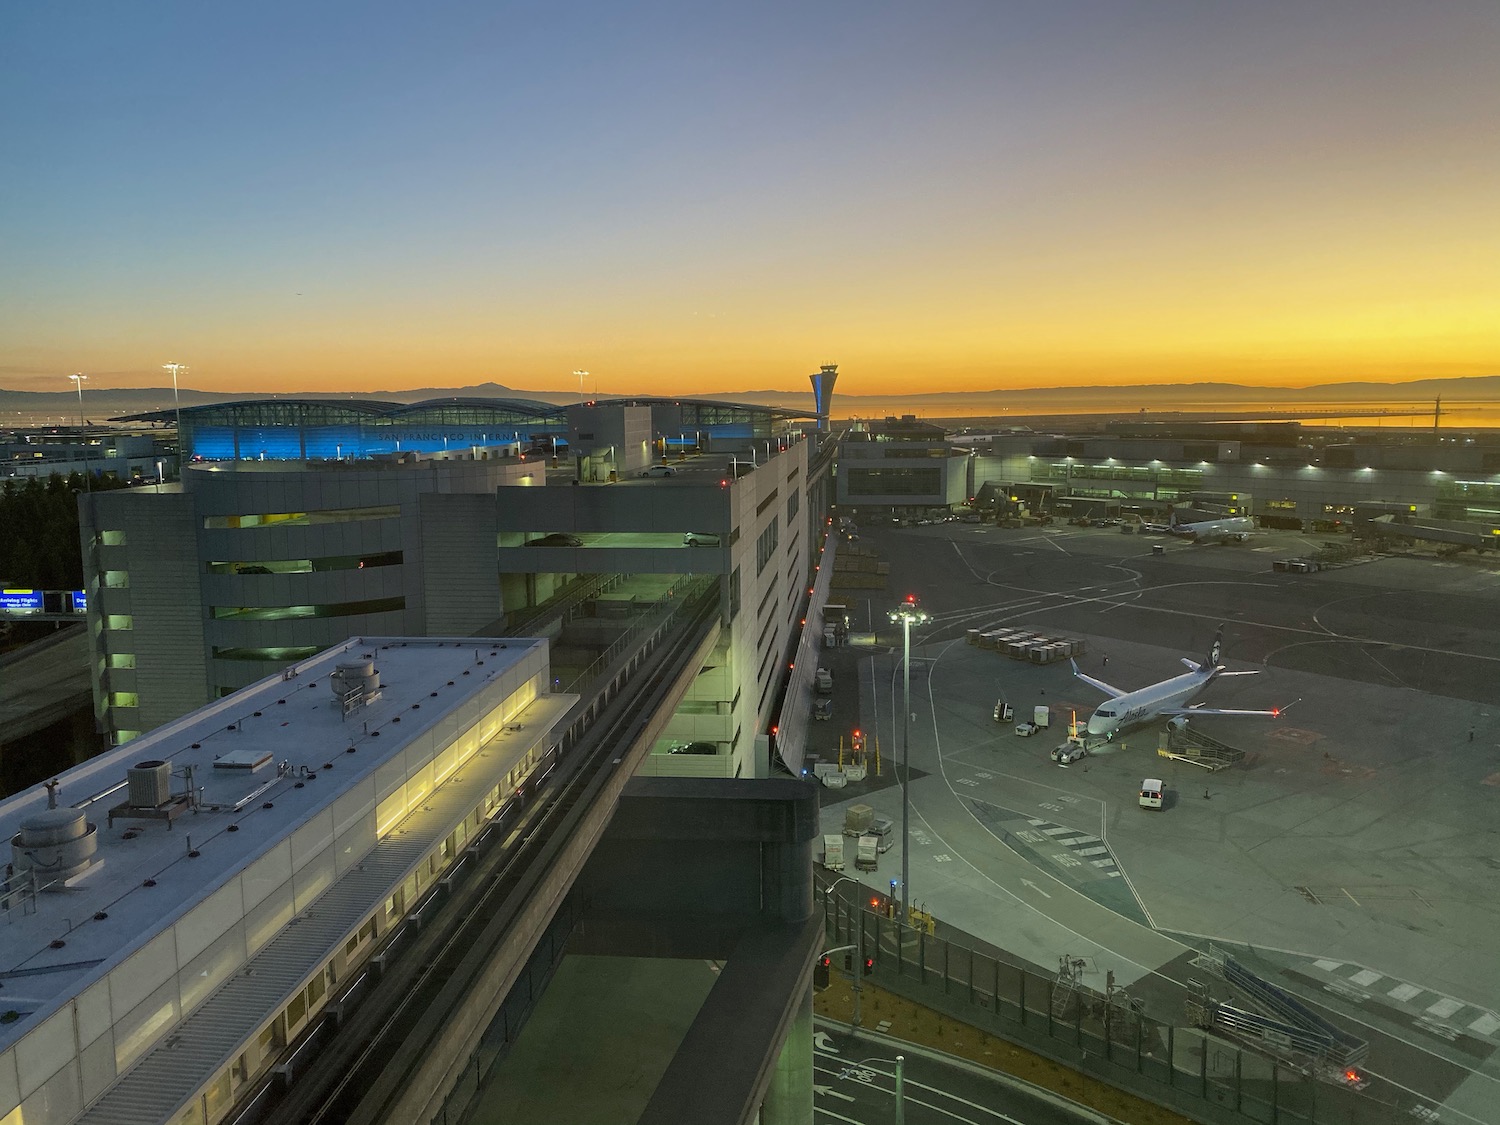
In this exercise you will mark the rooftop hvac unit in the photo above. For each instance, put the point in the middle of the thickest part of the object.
(150, 784)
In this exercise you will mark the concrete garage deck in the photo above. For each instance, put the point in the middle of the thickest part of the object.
(1354, 851)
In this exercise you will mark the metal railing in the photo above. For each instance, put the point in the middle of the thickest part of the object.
(1177, 1065)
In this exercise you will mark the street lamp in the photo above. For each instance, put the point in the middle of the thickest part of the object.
(78, 381)
(581, 376)
(908, 615)
(174, 368)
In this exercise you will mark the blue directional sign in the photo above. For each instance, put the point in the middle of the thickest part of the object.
(21, 601)
(80, 599)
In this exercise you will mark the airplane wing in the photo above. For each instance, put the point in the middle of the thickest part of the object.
(1274, 713)
(1112, 692)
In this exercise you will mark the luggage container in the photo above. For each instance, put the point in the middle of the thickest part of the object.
(857, 820)
(833, 853)
(867, 855)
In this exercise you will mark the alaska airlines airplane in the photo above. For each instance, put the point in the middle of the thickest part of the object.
(1223, 527)
(1131, 708)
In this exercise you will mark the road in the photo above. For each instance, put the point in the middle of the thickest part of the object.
(854, 1081)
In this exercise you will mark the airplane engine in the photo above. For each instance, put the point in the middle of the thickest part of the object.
(1178, 722)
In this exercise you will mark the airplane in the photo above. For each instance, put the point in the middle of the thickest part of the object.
(1219, 527)
(1131, 708)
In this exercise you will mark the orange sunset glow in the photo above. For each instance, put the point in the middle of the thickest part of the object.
(966, 197)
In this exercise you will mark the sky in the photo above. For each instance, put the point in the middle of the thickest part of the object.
(688, 197)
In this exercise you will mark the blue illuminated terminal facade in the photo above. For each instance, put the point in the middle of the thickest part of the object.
(302, 429)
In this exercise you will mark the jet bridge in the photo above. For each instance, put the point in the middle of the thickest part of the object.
(1273, 1021)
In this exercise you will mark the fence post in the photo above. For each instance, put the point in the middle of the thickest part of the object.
(995, 995)
(921, 957)
(971, 974)
(947, 952)
(1239, 1078)
(1171, 1057)
(1140, 1040)
(1203, 1066)
(1022, 974)
(1275, 1091)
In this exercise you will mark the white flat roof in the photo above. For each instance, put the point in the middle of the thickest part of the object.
(148, 874)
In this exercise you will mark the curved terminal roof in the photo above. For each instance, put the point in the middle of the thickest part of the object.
(243, 410)
(300, 428)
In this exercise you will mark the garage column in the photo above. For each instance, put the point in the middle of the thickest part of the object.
(789, 1100)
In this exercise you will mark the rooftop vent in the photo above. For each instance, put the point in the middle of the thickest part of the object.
(355, 684)
(54, 845)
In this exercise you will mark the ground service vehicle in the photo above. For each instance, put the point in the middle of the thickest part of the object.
(1151, 793)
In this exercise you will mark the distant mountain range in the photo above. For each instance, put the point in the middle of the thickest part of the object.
(108, 402)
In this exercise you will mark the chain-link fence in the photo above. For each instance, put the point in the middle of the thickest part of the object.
(1205, 1076)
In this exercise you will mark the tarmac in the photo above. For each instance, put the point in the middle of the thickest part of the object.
(1352, 856)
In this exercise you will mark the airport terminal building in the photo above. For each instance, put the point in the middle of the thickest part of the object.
(248, 566)
(178, 910)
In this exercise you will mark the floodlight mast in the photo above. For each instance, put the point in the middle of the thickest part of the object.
(174, 368)
(78, 381)
(908, 614)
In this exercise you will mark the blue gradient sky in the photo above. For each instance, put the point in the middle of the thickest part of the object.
(681, 197)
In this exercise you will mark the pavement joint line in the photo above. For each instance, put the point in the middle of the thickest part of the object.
(958, 1062)
(1146, 969)
(1326, 634)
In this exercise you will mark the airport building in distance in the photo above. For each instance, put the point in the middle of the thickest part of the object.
(178, 909)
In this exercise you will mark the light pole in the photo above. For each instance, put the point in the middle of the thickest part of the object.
(582, 375)
(908, 614)
(78, 381)
(174, 368)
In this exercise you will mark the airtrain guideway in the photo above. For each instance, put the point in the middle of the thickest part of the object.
(1343, 847)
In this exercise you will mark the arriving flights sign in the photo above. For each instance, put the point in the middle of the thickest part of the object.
(21, 601)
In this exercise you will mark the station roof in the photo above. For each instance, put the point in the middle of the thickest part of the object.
(149, 871)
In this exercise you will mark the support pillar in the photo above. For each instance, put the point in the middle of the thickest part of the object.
(789, 1100)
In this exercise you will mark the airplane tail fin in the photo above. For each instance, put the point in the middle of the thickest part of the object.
(1215, 651)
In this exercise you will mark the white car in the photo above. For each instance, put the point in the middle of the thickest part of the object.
(1026, 729)
(659, 471)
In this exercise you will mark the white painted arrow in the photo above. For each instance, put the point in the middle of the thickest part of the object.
(1036, 888)
(823, 1042)
(831, 1092)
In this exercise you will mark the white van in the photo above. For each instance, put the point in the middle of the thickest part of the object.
(1151, 793)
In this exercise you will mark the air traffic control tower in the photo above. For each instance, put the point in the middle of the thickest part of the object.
(822, 385)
